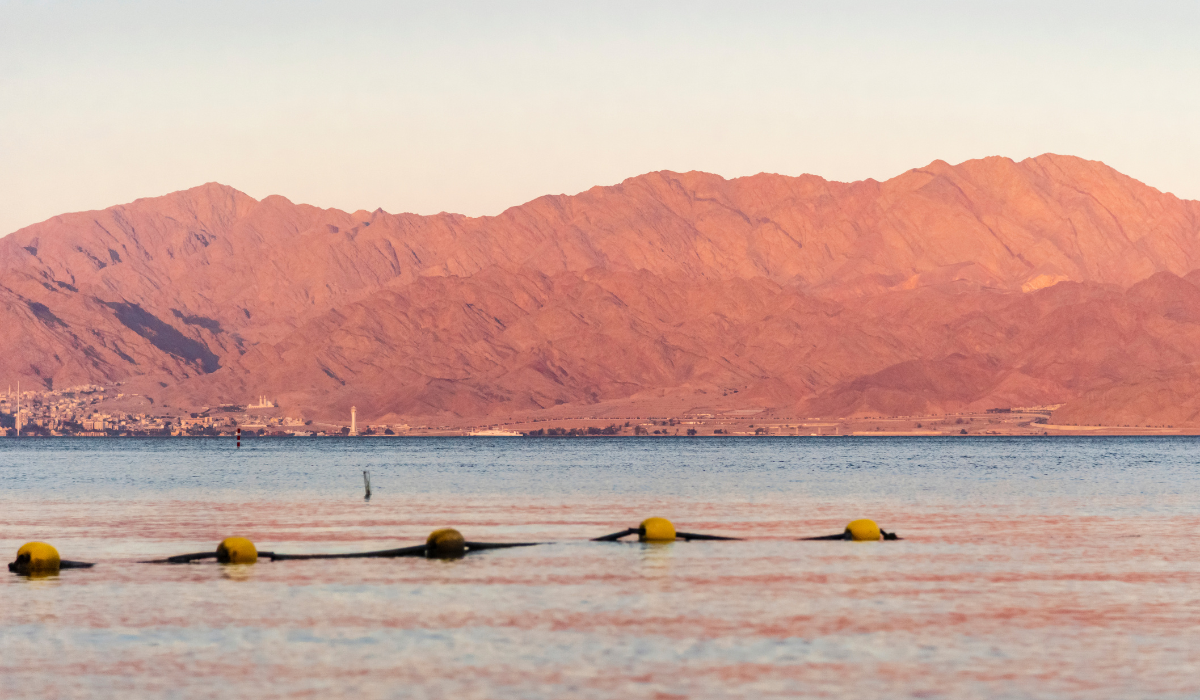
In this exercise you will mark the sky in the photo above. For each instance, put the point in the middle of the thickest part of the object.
(475, 107)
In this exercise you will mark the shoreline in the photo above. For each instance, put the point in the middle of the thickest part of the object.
(97, 412)
(461, 434)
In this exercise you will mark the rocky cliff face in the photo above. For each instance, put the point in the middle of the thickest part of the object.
(989, 283)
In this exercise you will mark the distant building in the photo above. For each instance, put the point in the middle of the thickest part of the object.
(354, 420)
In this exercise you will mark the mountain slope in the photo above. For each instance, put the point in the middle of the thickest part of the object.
(936, 290)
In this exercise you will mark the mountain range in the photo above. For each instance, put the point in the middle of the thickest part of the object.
(991, 283)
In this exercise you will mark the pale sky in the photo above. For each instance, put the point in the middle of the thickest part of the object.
(474, 107)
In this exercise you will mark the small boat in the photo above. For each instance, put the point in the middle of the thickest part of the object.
(494, 433)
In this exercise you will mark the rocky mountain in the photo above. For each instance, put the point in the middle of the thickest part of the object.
(1053, 280)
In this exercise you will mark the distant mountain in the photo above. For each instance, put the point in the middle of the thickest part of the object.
(1053, 280)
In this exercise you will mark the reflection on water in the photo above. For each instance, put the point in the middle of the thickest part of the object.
(237, 572)
(656, 559)
(1050, 568)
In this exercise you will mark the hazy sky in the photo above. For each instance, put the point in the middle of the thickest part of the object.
(474, 107)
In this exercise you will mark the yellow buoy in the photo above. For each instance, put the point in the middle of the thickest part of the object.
(37, 558)
(237, 550)
(446, 542)
(863, 531)
(656, 530)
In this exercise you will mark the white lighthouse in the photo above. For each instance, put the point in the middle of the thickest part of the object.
(353, 420)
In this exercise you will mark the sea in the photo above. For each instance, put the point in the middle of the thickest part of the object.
(1056, 567)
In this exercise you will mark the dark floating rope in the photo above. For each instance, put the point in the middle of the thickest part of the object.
(478, 546)
(189, 558)
(21, 565)
(618, 535)
(686, 536)
(417, 551)
(421, 550)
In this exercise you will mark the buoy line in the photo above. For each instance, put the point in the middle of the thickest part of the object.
(231, 550)
(860, 531)
(658, 530)
(446, 543)
(39, 558)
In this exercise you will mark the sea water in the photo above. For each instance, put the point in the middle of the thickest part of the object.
(1050, 567)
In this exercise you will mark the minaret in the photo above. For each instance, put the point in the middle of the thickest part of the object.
(354, 420)
(18, 408)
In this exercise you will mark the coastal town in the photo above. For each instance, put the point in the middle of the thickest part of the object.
(98, 411)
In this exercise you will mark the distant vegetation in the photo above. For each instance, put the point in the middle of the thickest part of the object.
(612, 429)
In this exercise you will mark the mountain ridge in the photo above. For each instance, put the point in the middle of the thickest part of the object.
(302, 302)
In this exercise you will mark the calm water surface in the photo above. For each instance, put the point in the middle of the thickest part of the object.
(1058, 567)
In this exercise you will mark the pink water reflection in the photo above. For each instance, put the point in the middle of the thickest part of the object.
(977, 602)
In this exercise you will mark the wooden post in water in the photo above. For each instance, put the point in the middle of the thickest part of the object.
(239, 437)
(367, 484)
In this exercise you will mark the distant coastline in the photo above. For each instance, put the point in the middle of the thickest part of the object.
(94, 411)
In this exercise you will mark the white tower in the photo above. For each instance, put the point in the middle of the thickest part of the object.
(354, 420)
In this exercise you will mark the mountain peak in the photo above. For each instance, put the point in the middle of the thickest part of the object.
(831, 296)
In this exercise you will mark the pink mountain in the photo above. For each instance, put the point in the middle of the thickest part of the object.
(1053, 280)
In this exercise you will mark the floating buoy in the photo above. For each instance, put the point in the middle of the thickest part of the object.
(236, 550)
(36, 558)
(445, 543)
(656, 530)
(861, 530)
